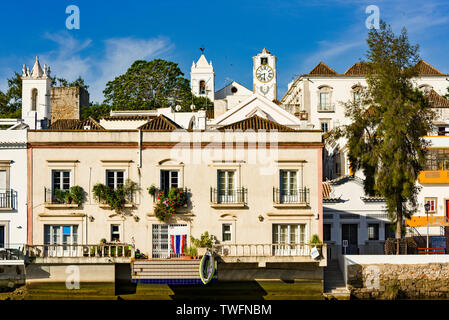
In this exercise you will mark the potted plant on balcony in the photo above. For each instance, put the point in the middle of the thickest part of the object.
(190, 252)
(203, 244)
(77, 194)
(315, 242)
(60, 195)
(152, 191)
(167, 204)
(99, 191)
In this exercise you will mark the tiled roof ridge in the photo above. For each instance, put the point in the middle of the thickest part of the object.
(160, 123)
(256, 123)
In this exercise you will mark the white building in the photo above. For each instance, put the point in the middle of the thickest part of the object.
(13, 188)
(36, 86)
(354, 223)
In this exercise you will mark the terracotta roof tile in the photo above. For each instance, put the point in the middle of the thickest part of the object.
(437, 101)
(425, 69)
(327, 189)
(75, 124)
(256, 123)
(357, 69)
(160, 123)
(322, 70)
(129, 117)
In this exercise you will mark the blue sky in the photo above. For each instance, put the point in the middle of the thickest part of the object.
(300, 33)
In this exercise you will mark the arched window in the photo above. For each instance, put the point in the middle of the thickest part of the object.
(202, 87)
(356, 93)
(325, 99)
(34, 100)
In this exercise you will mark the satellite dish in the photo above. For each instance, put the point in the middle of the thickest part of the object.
(178, 108)
(192, 107)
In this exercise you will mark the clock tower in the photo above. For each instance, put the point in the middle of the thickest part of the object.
(264, 75)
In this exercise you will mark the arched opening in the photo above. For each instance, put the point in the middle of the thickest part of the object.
(34, 100)
(202, 87)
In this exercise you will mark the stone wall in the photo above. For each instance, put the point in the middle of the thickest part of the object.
(66, 102)
(399, 281)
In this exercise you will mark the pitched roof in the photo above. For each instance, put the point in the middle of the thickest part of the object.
(160, 123)
(425, 69)
(256, 123)
(327, 189)
(357, 69)
(75, 124)
(437, 101)
(129, 117)
(322, 69)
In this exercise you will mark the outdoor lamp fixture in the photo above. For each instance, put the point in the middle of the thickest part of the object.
(427, 207)
(260, 218)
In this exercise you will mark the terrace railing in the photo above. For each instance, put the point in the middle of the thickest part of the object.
(80, 250)
(239, 195)
(301, 195)
(265, 250)
(8, 199)
(12, 252)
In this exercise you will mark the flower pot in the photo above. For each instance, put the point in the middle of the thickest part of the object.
(187, 257)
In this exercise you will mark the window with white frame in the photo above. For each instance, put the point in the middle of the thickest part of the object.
(373, 231)
(115, 178)
(115, 232)
(432, 204)
(324, 125)
(289, 233)
(169, 179)
(60, 234)
(226, 232)
(61, 179)
(325, 102)
(290, 186)
(226, 185)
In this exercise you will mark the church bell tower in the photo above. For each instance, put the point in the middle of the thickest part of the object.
(265, 75)
(36, 89)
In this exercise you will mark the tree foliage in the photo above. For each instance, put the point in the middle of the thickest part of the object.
(150, 85)
(385, 137)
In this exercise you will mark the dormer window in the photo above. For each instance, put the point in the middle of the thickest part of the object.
(264, 60)
(356, 93)
(325, 99)
(202, 87)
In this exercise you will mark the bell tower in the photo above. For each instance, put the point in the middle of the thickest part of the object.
(265, 75)
(36, 89)
(202, 78)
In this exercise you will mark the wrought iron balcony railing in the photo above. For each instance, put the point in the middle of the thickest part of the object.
(8, 199)
(301, 195)
(238, 195)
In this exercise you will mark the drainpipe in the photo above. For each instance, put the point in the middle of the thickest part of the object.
(140, 149)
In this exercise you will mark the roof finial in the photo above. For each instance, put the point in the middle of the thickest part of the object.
(202, 50)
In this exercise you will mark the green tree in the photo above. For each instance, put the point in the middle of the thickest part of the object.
(96, 111)
(385, 137)
(150, 85)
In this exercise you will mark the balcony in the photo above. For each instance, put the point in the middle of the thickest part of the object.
(82, 253)
(441, 176)
(299, 198)
(236, 198)
(8, 199)
(263, 253)
(326, 107)
(12, 253)
(52, 202)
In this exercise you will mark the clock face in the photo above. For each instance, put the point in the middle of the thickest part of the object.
(264, 73)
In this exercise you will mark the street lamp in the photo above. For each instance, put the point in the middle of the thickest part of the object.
(427, 207)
